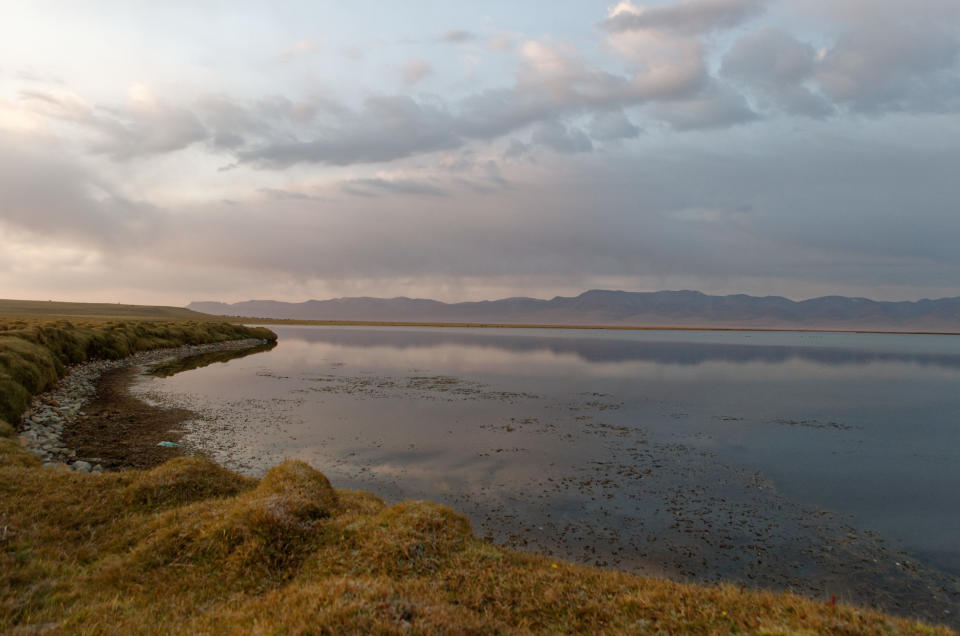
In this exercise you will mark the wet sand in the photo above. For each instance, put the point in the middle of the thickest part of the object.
(118, 431)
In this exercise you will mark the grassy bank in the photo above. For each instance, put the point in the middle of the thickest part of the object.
(33, 355)
(190, 547)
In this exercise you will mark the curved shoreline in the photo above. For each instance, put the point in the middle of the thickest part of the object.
(42, 427)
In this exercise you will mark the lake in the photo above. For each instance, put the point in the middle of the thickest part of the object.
(827, 463)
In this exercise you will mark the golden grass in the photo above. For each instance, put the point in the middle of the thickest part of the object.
(190, 547)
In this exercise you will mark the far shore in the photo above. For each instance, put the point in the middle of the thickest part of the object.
(490, 325)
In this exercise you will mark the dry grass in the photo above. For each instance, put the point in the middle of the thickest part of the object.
(43, 310)
(190, 547)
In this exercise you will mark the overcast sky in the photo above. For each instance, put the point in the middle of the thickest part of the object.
(163, 152)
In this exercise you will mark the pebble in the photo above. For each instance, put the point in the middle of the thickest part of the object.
(42, 426)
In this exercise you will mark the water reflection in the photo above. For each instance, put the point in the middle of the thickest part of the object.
(179, 365)
(625, 348)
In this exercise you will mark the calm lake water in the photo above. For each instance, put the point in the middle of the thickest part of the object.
(828, 463)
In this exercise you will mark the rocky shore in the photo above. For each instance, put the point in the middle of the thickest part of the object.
(42, 427)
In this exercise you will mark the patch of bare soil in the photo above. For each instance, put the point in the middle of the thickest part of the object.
(120, 431)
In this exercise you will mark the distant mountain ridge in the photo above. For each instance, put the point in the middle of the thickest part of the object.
(622, 308)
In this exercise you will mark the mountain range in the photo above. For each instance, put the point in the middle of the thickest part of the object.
(621, 308)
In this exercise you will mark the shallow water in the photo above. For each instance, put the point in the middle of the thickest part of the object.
(801, 460)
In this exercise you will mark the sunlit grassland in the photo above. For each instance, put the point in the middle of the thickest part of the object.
(190, 547)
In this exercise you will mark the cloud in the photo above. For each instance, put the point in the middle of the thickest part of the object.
(32, 76)
(661, 69)
(280, 194)
(892, 67)
(778, 67)
(887, 55)
(883, 57)
(303, 47)
(685, 17)
(353, 53)
(717, 106)
(553, 82)
(516, 149)
(45, 192)
(501, 42)
(378, 186)
(612, 125)
(145, 125)
(724, 206)
(561, 138)
(414, 71)
(386, 128)
(457, 37)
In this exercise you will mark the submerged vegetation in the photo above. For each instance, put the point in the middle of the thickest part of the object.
(191, 547)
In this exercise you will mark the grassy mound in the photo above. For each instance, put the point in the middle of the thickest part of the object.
(190, 547)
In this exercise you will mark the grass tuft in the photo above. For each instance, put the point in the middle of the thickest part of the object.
(184, 480)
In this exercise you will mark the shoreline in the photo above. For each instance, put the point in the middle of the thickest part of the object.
(491, 325)
(55, 413)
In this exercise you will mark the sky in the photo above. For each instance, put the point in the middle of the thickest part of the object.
(168, 152)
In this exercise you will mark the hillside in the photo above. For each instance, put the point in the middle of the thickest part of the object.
(620, 308)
